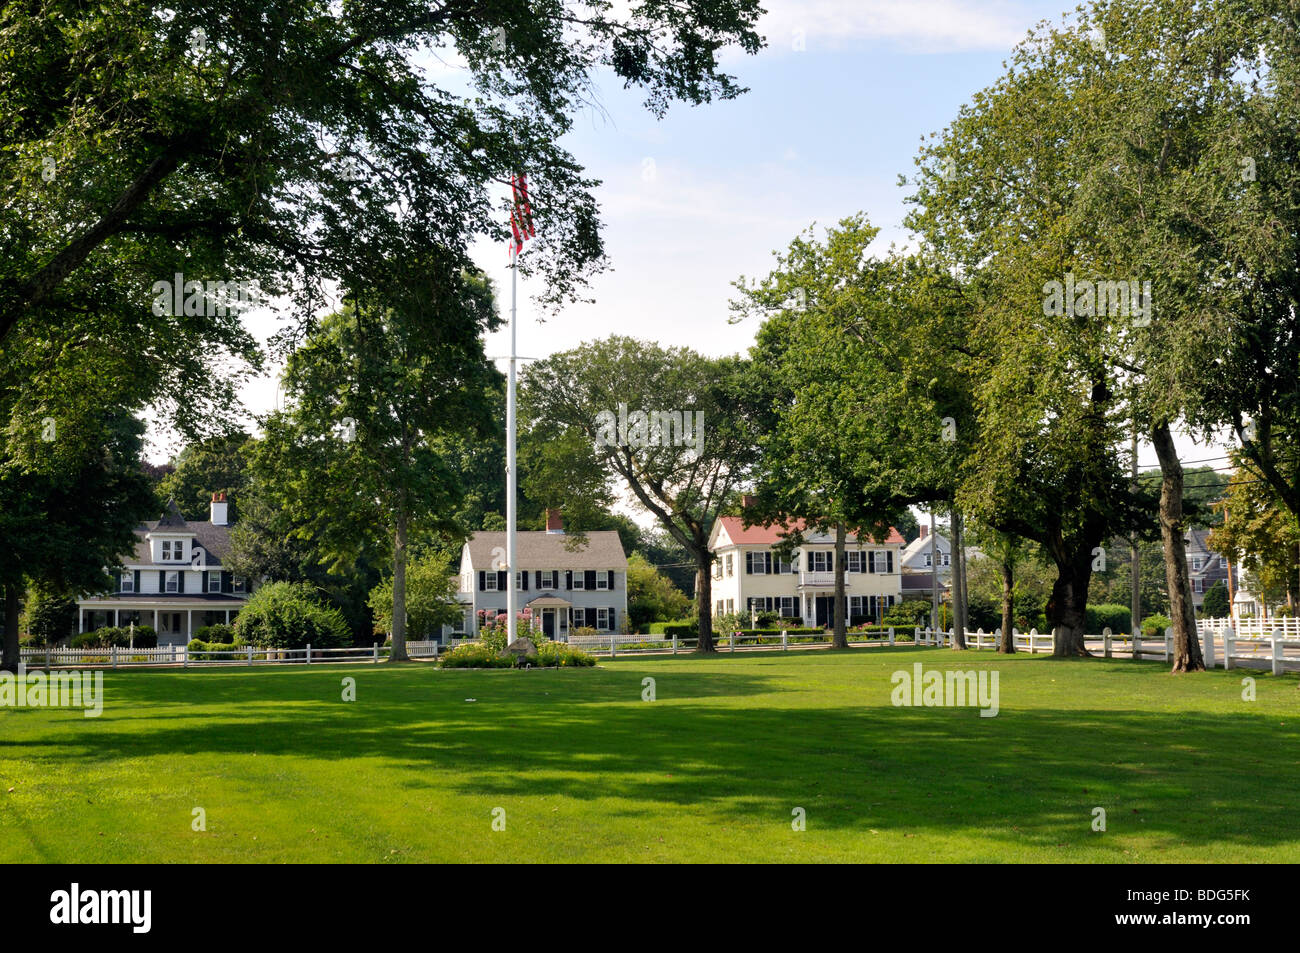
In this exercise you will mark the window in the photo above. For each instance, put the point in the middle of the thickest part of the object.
(718, 608)
(717, 569)
(731, 566)
(1198, 585)
(782, 566)
(819, 561)
(1196, 563)
(602, 579)
(788, 607)
(882, 561)
(214, 581)
(929, 560)
(602, 619)
(854, 561)
(731, 606)
(167, 550)
(579, 579)
(1223, 562)
(238, 585)
(128, 582)
(519, 582)
(579, 618)
(757, 563)
(171, 584)
(548, 578)
(947, 559)
(490, 581)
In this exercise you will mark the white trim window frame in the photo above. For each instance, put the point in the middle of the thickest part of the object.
(490, 581)
(171, 581)
(126, 583)
(239, 584)
(602, 579)
(548, 578)
(214, 575)
(819, 560)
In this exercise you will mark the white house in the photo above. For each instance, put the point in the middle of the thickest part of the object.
(564, 589)
(924, 558)
(174, 581)
(748, 574)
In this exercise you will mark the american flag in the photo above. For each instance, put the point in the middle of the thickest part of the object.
(521, 214)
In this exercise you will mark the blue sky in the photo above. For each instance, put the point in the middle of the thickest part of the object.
(837, 104)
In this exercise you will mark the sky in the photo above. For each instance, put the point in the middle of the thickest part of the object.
(837, 105)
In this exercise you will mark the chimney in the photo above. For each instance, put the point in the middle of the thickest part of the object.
(553, 522)
(747, 501)
(219, 515)
(925, 531)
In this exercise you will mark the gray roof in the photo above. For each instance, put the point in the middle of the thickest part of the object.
(539, 550)
(215, 540)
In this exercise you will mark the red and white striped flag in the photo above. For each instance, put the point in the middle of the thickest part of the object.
(521, 214)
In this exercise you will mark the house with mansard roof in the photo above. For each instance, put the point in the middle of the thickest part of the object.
(749, 574)
(175, 580)
(564, 587)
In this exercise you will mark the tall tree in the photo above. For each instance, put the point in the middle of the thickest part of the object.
(599, 410)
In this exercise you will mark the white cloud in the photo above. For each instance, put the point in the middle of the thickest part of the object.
(919, 26)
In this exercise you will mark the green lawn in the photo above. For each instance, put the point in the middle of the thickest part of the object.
(710, 771)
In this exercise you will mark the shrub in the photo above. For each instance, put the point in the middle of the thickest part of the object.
(475, 655)
(682, 630)
(220, 632)
(287, 615)
(101, 638)
(1215, 605)
(1115, 617)
(661, 628)
(198, 650)
(584, 631)
(1155, 625)
(145, 637)
(559, 655)
(909, 613)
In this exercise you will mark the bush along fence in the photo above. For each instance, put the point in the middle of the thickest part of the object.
(210, 654)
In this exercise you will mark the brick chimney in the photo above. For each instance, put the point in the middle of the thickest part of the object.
(554, 524)
(219, 510)
(747, 501)
(925, 531)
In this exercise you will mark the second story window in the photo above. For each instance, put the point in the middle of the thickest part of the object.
(731, 566)
(1196, 563)
(127, 582)
(602, 579)
(171, 582)
(239, 585)
(214, 580)
(929, 560)
(819, 561)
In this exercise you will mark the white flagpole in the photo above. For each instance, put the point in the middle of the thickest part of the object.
(512, 597)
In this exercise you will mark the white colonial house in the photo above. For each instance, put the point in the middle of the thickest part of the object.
(924, 558)
(564, 589)
(748, 574)
(175, 581)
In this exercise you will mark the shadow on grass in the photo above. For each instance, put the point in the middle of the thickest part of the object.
(1190, 777)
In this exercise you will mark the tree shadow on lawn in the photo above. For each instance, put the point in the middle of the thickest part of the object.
(1026, 775)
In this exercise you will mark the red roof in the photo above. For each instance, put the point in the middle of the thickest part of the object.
(773, 534)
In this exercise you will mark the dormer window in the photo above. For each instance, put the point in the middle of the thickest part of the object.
(173, 551)
(1196, 564)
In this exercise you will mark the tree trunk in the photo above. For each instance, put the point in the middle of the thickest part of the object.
(958, 574)
(1008, 643)
(1068, 603)
(839, 636)
(9, 661)
(398, 653)
(1182, 610)
(704, 600)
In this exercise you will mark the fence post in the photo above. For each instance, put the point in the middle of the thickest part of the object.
(979, 637)
(308, 653)
(1209, 648)
(1169, 642)
(115, 656)
(785, 640)
(375, 654)
(250, 655)
(1227, 648)
(891, 635)
(732, 642)
(1136, 654)
(1033, 641)
(1105, 642)
(674, 643)
(1277, 654)
(1015, 637)
(185, 657)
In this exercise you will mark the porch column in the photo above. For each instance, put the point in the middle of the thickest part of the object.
(116, 619)
(189, 624)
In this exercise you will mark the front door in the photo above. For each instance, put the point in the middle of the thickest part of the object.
(548, 623)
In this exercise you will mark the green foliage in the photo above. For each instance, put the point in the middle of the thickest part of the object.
(908, 613)
(1114, 617)
(651, 596)
(430, 598)
(549, 655)
(220, 632)
(560, 655)
(1215, 604)
(205, 467)
(201, 651)
(1153, 626)
(289, 615)
(49, 617)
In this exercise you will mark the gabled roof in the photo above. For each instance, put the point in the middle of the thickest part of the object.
(922, 544)
(539, 550)
(743, 535)
(171, 521)
(215, 541)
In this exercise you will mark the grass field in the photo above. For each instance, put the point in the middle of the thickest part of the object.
(710, 771)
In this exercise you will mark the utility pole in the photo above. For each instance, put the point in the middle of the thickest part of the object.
(934, 578)
(1135, 556)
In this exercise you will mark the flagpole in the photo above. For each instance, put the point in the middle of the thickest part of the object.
(512, 597)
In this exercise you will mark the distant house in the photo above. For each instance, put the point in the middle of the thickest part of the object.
(174, 581)
(748, 574)
(1205, 567)
(924, 559)
(564, 589)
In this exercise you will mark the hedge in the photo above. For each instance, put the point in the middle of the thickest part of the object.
(1117, 618)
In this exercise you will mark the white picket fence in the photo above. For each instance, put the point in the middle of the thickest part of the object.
(1283, 627)
(180, 656)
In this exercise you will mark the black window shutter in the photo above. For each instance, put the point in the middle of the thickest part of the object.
(523, 580)
(767, 562)
(589, 579)
(227, 582)
(502, 580)
(611, 579)
(482, 581)
(539, 579)
(889, 562)
(180, 580)
(871, 561)
(749, 563)
(137, 580)
(162, 580)
(613, 614)
(568, 579)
